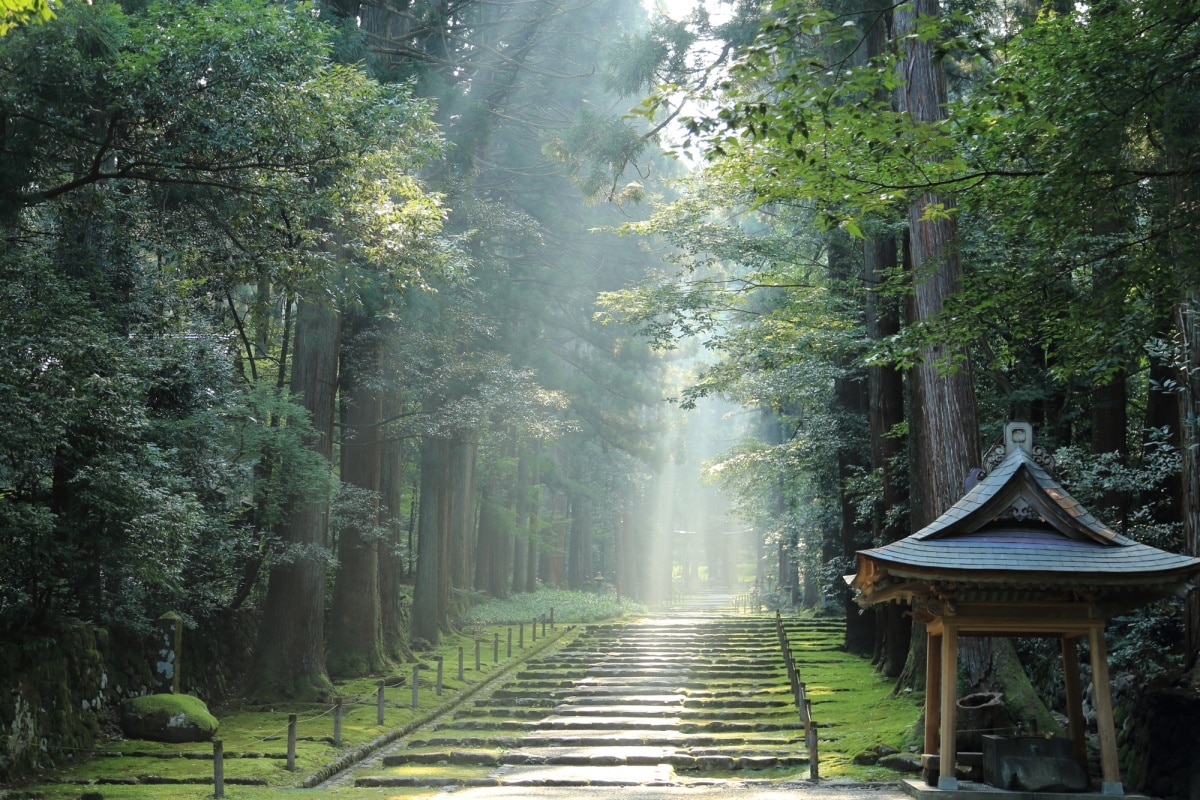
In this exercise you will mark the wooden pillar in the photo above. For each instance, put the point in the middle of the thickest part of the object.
(1070, 657)
(933, 691)
(1110, 770)
(948, 752)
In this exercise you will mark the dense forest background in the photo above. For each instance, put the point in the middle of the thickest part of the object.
(346, 315)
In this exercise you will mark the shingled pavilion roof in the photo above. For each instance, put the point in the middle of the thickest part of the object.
(1018, 556)
(1017, 527)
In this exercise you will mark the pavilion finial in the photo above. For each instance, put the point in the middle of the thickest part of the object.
(1018, 434)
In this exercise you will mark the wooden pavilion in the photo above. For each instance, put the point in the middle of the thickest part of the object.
(1017, 556)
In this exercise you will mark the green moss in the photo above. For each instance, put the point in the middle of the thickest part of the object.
(168, 718)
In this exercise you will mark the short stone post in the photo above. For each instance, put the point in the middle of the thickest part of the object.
(521, 643)
(438, 687)
(416, 679)
(551, 618)
(509, 651)
(496, 648)
(477, 644)
(218, 769)
(291, 743)
(337, 723)
(460, 663)
(533, 629)
(379, 705)
(543, 626)
(170, 645)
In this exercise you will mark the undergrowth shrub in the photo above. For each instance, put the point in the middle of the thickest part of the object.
(569, 607)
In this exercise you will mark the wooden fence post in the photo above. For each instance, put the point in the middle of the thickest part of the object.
(441, 663)
(379, 705)
(509, 652)
(416, 682)
(291, 743)
(218, 769)
(337, 723)
(460, 663)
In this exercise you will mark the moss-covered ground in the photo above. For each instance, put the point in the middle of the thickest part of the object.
(852, 706)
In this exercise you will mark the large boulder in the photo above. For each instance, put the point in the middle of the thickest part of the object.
(167, 718)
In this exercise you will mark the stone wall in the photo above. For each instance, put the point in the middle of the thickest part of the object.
(59, 691)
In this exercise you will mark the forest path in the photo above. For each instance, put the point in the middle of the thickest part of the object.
(696, 695)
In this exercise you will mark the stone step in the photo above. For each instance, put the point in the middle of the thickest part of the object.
(607, 739)
(635, 755)
(607, 698)
(654, 711)
(587, 723)
(620, 710)
(475, 758)
(628, 704)
(509, 713)
(550, 775)
(598, 723)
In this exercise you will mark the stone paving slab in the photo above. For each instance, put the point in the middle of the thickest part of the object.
(565, 722)
(549, 775)
(631, 754)
(630, 680)
(690, 790)
(618, 710)
(620, 738)
(606, 698)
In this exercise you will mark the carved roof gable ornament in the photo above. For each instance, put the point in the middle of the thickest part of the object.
(1019, 489)
(1018, 434)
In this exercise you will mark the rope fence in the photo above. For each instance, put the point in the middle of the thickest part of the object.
(800, 696)
(288, 732)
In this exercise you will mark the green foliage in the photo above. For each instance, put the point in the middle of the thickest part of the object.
(569, 608)
(14, 13)
(152, 163)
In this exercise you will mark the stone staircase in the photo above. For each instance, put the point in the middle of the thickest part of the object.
(690, 695)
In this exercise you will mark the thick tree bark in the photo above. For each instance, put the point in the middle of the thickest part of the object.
(860, 627)
(289, 658)
(551, 570)
(500, 573)
(886, 412)
(393, 599)
(463, 452)
(435, 459)
(945, 392)
(946, 434)
(354, 643)
(444, 504)
(628, 572)
(484, 540)
(521, 502)
(945, 441)
(579, 556)
(494, 549)
(1180, 132)
(533, 525)
(850, 400)
(1187, 323)
(885, 391)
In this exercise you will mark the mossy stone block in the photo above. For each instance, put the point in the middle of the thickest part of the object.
(167, 718)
